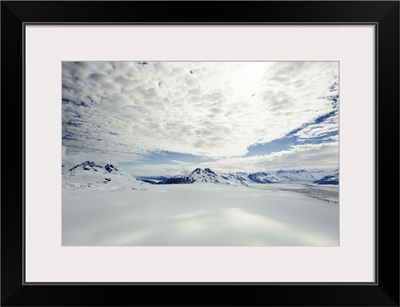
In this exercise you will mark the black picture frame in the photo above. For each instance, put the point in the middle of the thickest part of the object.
(383, 14)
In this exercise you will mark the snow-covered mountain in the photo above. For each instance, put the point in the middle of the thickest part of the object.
(91, 176)
(241, 178)
(329, 179)
(289, 176)
(263, 177)
(197, 176)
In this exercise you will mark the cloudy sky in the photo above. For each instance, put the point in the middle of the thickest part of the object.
(159, 118)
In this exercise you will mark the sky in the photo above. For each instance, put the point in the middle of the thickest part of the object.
(163, 118)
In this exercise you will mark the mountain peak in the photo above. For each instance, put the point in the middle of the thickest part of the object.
(87, 166)
(207, 170)
(197, 171)
(198, 175)
(109, 168)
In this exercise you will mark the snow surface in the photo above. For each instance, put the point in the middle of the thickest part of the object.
(202, 215)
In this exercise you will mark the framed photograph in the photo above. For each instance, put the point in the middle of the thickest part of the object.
(244, 153)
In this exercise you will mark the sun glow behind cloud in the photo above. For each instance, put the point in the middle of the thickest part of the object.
(215, 112)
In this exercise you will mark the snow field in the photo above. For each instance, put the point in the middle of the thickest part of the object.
(200, 215)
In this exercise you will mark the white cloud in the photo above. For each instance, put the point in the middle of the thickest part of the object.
(310, 156)
(329, 125)
(156, 169)
(181, 162)
(123, 110)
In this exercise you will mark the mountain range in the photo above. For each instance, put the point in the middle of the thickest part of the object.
(92, 176)
(281, 176)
